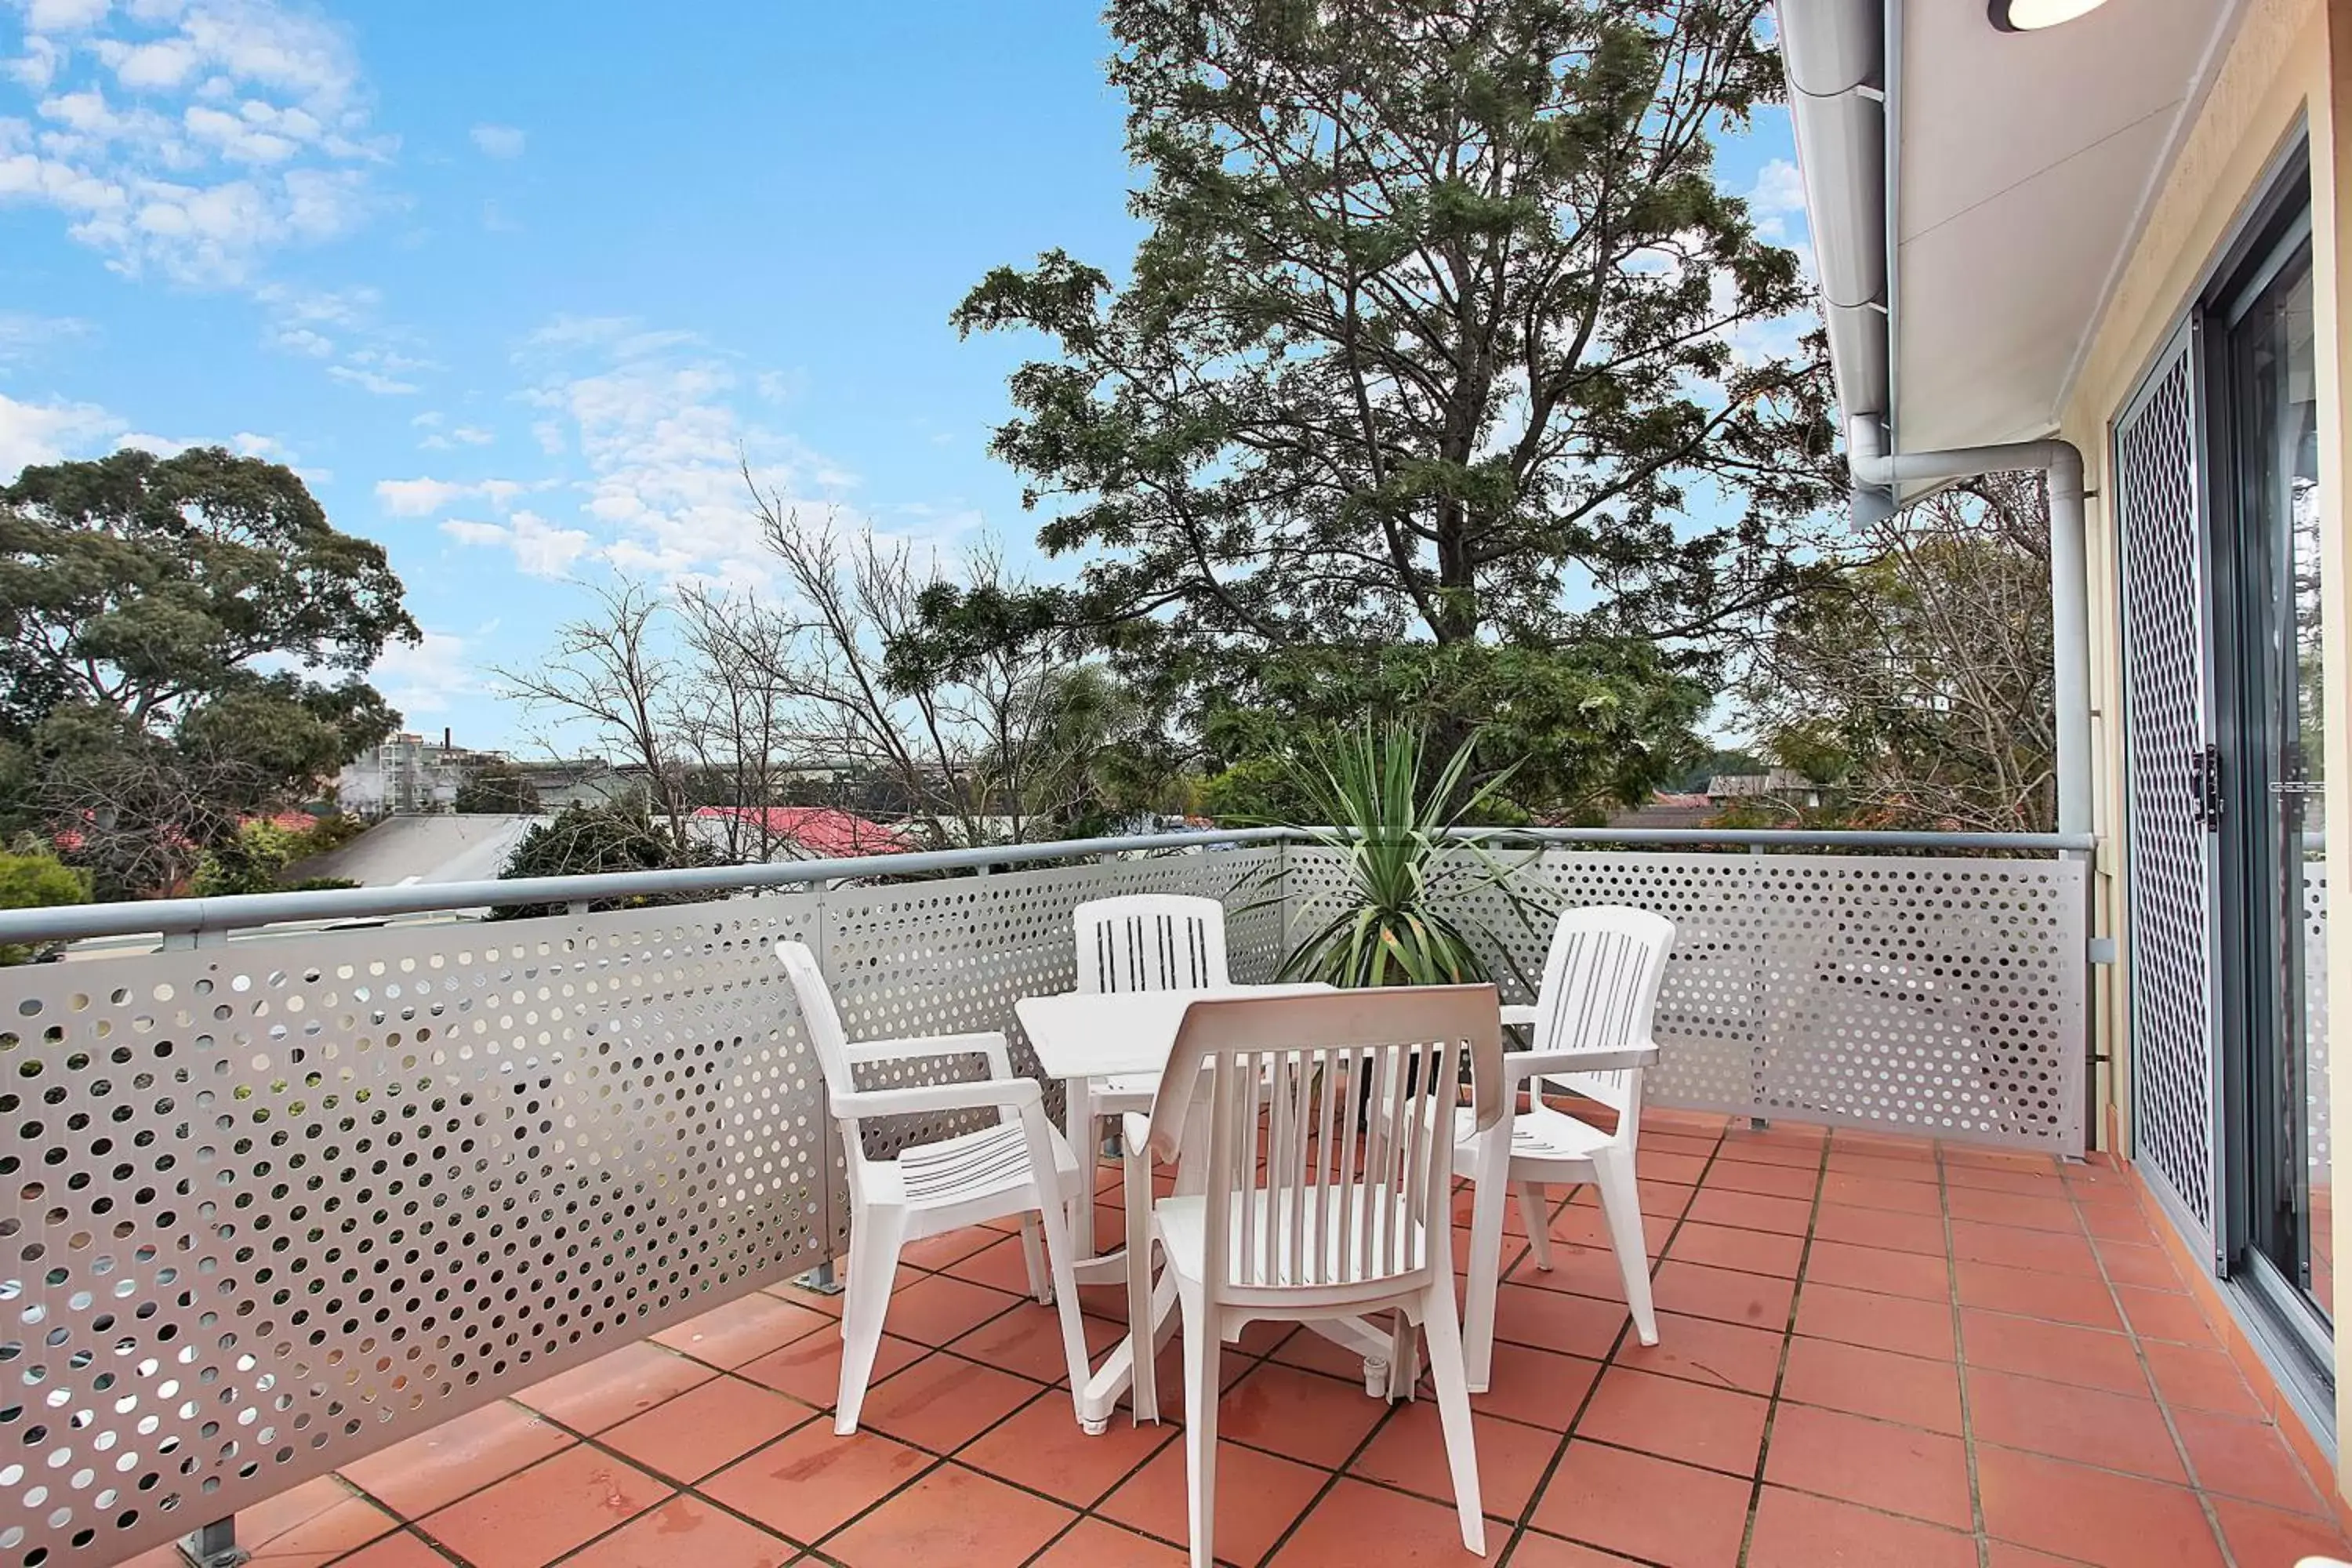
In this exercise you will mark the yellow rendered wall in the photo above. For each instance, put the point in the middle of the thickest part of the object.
(2288, 67)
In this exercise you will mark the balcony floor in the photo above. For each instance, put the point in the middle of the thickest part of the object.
(1876, 1351)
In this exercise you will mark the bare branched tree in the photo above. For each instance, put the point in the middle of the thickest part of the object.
(612, 670)
(1922, 682)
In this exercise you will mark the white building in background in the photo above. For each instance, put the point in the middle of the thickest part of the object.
(407, 774)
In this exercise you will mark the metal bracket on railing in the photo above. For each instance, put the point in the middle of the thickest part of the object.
(215, 1545)
(824, 1280)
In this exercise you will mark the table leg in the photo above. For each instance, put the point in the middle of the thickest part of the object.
(1116, 1374)
(1078, 1127)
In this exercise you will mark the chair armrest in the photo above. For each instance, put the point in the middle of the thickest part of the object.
(1519, 1014)
(988, 1042)
(980, 1094)
(1520, 1066)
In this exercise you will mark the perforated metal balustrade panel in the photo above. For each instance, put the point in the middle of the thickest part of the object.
(1936, 996)
(2167, 846)
(273, 1206)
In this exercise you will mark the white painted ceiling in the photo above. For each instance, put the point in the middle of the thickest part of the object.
(2023, 163)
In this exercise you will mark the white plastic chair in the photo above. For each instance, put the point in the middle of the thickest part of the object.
(1591, 1019)
(1020, 1166)
(1286, 1211)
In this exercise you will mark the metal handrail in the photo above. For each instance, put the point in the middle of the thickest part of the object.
(208, 917)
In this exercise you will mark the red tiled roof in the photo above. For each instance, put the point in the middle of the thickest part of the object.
(820, 829)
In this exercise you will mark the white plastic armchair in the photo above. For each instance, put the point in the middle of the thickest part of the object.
(1288, 1210)
(1020, 1166)
(1591, 1023)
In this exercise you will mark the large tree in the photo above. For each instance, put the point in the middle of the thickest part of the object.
(182, 645)
(1435, 336)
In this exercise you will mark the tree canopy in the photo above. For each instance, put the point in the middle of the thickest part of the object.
(1432, 339)
(182, 645)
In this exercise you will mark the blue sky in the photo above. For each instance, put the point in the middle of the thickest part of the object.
(511, 286)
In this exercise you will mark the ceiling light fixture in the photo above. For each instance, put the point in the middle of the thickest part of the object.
(2033, 16)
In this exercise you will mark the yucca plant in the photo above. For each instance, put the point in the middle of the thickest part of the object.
(1405, 878)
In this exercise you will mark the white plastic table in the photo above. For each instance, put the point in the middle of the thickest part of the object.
(1129, 1034)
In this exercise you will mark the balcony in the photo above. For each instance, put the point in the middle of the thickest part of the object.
(476, 1243)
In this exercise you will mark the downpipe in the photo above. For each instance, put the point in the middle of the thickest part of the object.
(2070, 603)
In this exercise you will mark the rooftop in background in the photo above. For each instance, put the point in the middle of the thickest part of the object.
(818, 832)
(432, 849)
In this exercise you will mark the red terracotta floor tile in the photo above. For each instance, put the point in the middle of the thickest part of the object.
(1000, 1268)
(2119, 1222)
(952, 1515)
(2053, 1213)
(1728, 1296)
(1887, 1229)
(1030, 1343)
(2025, 1180)
(2191, 1377)
(1877, 1270)
(615, 1386)
(2245, 1460)
(687, 1529)
(1258, 1497)
(2090, 1358)
(1585, 1269)
(934, 1309)
(2013, 1247)
(2149, 1267)
(2113, 1431)
(806, 1483)
(1753, 1251)
(1880, 1167)
(1878, 1193)
(1647, 1508)
(310, 1523)
(1882, 1322)
(1360, 1523)
(1537, 1387)
(1092, 1543)
(1556, 1321)
(809, 1369)
(2265, 1538)
(1669, 1165)
(1860, 1380)
(1536, 1550)
(2028, 1293)
(1300, 1415)
(741, 1330)
(706, 1426)
(1722, 1356)
(1767, 1181)
(1748, 1211)
(2097, 1516)
(442, 1465)
(1717, 1428)
(1793, 1530)
(936, 1252)
(1409, 1452)
(1042, 1446)
(2166, 1315)
(402, 1550)
(532, 1518)
(1756, 1151)
(1902, 1470)
(943, 1402)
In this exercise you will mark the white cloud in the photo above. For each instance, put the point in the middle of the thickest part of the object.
(372, 380)
(541, 549)
(50, 432)
(499, 140)
(24, 336)
(424, 497)
(190, 138)
(654, 417)
(1779, 195)
(425, 676)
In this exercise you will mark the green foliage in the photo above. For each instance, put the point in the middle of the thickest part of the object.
(35, 880)
(1369, 796)
(499, 787)
(588, 840)
(255, 858)
(138, 598)
(1428, 339)
(1573, 729)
